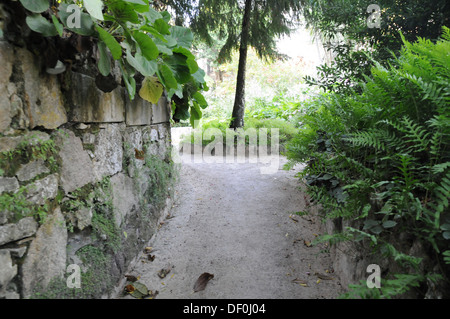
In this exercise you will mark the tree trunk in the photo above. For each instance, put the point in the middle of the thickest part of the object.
(237, 120)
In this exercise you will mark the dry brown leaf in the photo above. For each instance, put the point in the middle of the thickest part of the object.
(307, 243)
(131, 278)
(129, 288)
(163, 272)
(202, 281)
(140, 155)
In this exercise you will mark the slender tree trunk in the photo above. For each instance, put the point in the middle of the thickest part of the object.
(237, 120)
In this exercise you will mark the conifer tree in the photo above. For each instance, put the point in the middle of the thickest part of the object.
(240, 23)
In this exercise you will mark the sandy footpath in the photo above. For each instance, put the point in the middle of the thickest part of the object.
(233, 222)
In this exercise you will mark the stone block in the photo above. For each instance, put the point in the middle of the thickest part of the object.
(124, 198)
(7, 60)
(43, 189)
(84, 217)
(31, 170)
(26, 227)
(76, 167)
(44, 102)
(133, 140)
(138, 112)
(8, 184)
(9, 143)
(7, 270)
(161, 111)
(108, 152)
(46, 258)
(88, 104)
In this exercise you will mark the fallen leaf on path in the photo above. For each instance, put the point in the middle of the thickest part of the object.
(163, 272)
(132, 278)
(151, 257)
(292, 217)
(129, 288)
(148, 250)
(323, 277)
(202, 281)
(307, 243)
(300, 282)
(137, 290)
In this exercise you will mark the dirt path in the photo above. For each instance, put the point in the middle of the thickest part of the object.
(231, 221)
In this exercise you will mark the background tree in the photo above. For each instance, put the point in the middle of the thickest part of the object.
(343, 26)
(240, 24)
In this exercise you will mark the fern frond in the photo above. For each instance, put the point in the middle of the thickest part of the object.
(370, 138)
(416, 134)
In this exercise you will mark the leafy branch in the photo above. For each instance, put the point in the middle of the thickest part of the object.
(139, 38)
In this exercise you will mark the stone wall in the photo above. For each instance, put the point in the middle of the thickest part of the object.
(352, 258)
(84, 179)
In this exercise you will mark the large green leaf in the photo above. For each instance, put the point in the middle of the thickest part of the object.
(199, 76)
(104, 64)
(178, 64)
(164, 49)
(75, 20)
(39, 24)
(178, 92)
(36, 6)
(130, 82)
(148, 47)
(139, 5)
(123, 11)
(183, 36)
(166, 76)
(94, 7)
(162, 26)
(111, 43)
(141, 64)
(196, 114)
(200, 99)
(191, 62)
(181, 112)
(153, 32)
(166, 16)
(152, 15)
(59, 27)
(151, 90)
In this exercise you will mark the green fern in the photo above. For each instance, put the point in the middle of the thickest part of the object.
(372, 138)
(389, 153)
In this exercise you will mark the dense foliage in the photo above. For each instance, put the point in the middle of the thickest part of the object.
(140, 38)
(380, 155)
(349, 32)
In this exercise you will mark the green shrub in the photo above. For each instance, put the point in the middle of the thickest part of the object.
(282, 106)
(382, 156)
(286, 131)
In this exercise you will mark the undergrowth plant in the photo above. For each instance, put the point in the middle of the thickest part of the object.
(286, 131)
(381, 157)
